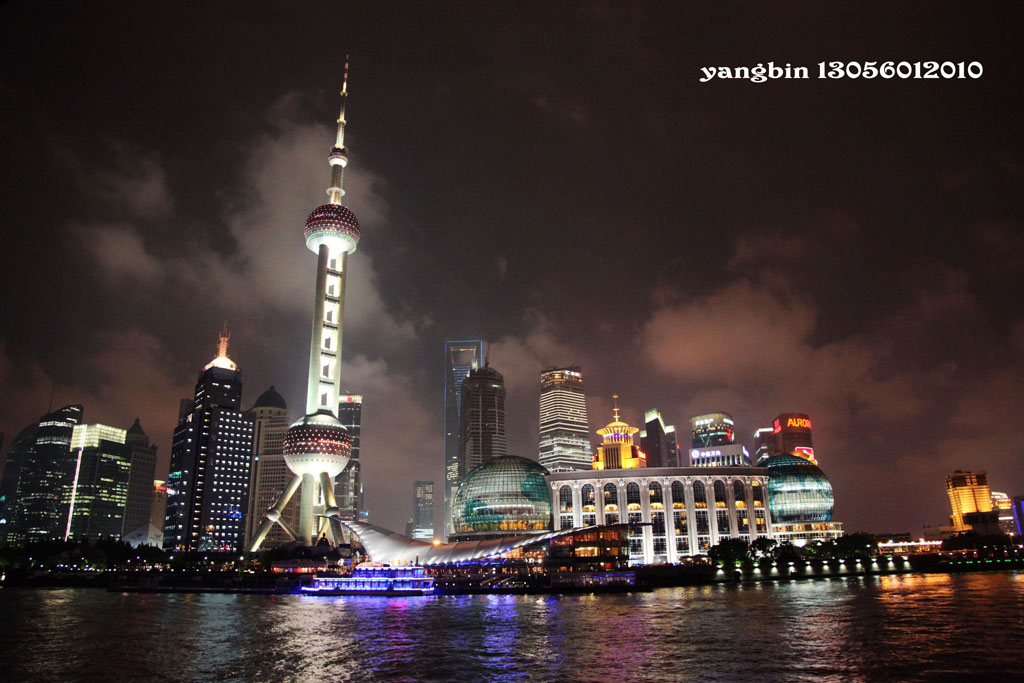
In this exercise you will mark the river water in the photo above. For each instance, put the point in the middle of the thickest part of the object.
(905, 627)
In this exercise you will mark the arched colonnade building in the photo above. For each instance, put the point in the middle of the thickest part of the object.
(684, 510)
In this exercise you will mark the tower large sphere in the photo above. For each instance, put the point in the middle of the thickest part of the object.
(317, 443)
(333, 225)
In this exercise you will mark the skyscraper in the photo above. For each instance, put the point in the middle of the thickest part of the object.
(460, 357)
(422, 511)
(658, 441)
(211, 457)
(317, 447)
(712, 429)
(139, 504)
(348, 487)
(46, 475)
(270, 474)
(95, 500)
(713, 439)
(564, 431)
(793, 435)
(971, 501)
(617, 449)
(482, 435)
(764, 445)
(20, 451)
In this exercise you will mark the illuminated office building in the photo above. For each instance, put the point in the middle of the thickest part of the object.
(1003, 505)
(270, 474)
(673, 512)
(658, 441)
(142, 473)
(96, 499)
(482, 435)
(764, 445)
(617, 449)
(348, 487)
(971, 501)
(1018, 515)
(504, 496)
(564, 431)
(46, 476)
(712, 429)
(317, 447)
(793, 435)
(730, 455)
(211, 460)
(21, 450)
(460, 358)
(422, 526)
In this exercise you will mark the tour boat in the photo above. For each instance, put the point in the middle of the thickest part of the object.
(371, 578)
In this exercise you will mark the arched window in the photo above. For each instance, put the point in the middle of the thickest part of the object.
(654, 491)
(700, 498)
(758, 490)
(719, 493)
(588, 498)
(739, 492)
(565, 499)
(678, 496)
(611, 498)
(633, 496)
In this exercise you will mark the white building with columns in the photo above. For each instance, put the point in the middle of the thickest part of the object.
(680, 511)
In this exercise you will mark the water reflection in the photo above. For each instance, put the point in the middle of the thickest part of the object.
(903, 627)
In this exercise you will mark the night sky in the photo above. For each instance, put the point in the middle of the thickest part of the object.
(552, 177)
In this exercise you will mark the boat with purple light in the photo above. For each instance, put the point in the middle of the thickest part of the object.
(372, 578)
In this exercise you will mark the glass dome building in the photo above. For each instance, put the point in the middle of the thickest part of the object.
(798, 491)
(502, 497)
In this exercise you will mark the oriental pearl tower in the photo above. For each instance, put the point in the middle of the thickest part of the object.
(317, 447)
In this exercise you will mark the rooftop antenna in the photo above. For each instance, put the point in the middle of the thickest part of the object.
(615, 398)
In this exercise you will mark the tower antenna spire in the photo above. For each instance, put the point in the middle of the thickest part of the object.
(339, 154)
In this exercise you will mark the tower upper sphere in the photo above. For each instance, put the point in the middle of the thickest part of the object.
(334, 225)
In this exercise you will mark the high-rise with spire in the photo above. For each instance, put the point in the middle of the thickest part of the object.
(211, 457)
(317, 447)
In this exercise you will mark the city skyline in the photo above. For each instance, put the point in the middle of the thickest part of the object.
(788, 274)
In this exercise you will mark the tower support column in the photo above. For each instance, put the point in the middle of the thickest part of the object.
(306, 510)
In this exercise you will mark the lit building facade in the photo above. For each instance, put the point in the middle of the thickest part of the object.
(422, 528)
(504, 496)
(729, 455)
(270, 474)
(139, 502)
(21, 451)
(460, 358)
(971, 501)
(764, 445)
(483, 433)
(673, 512)
(564, 430)
(211, 460)
(658, 441)
(348, 486)
(46, 475)
(1018, 515)
(712, 429)
(96, 499)
(617, 449)
(792, 432)
(1003, 505)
